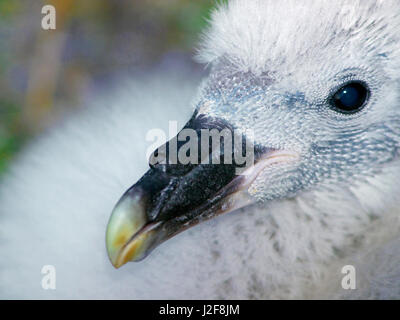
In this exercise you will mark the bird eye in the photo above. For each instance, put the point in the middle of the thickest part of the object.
(350, 98)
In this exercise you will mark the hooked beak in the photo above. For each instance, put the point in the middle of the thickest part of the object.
(171, 198)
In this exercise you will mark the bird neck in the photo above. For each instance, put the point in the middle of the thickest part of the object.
(333, 217)
(310, 237)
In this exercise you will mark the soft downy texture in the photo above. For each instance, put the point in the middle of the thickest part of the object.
(57, 197)
(258, 34)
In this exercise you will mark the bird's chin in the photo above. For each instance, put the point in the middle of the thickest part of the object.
(132, 234)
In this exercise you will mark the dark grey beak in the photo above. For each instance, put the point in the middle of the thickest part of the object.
(172, 197)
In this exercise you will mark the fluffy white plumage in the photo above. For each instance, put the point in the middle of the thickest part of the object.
(256, 34)
(57, 198)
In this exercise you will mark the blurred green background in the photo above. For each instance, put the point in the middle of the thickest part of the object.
(44, 72)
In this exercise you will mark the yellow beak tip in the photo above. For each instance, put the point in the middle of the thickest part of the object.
(116, 266)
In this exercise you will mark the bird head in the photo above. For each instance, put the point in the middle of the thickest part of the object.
(317, 88)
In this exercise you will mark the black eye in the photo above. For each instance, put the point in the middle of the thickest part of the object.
(350, 98)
